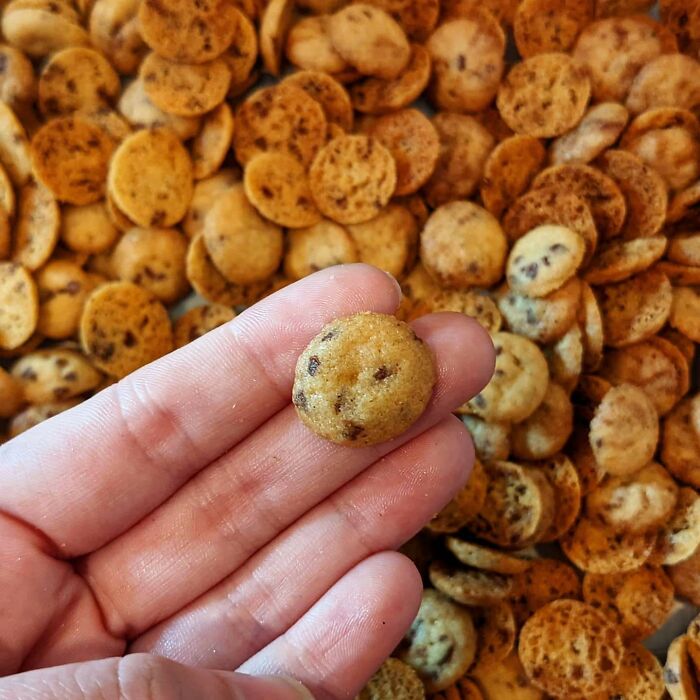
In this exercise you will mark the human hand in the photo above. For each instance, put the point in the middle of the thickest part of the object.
(187, 513)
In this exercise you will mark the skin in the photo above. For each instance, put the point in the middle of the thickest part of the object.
(172, 517)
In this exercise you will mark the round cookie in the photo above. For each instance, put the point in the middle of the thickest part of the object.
(519, 382)
(150, 178)
(497, 631)
(565, 358)
(477, 556)
(19, 305)
(441, 643)
(242, 54)
(670, 80)
(124, 327)
(564, 480)
(70, 156)
(684, 249)
(17, 81)
(36, 226)
(352, 178)
(200, 320)
(640, 676)
(205, 193)
(685, 312)
(491, 439)
(462, 245)
(328, 92)
(88, 229)
(544, 259)
(618, 260)
(504, 679)
(471, 587)
(15, 153)
(352, 380)
(544, 96)
(473, 303)
(114, 30)
(394, 679)
(679, 536)
(312, 249)
(277, 17)
(309, 46)
(417, 17)
(244, 247)
(680, 444)
(33, 415)
(11, 395)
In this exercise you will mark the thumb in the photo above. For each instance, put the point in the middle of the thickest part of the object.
(145, 677)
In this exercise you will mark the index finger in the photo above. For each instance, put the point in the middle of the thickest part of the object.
(90, 473)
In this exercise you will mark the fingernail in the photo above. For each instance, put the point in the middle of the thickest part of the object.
(297, 690)
(396, 284)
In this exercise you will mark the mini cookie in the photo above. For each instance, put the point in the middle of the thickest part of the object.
(599, 128)
(464, 148)
(579, 450)
(547, 430)
(565, 358)
(309, 46)
(465, 506)
(613, 50)
(11, 395)
(274, 26)
(635, 309)
(112, 123)
(210, 146)
(118, 218)
(362, 398)
(509, 170)
(544, 319)
(505, 679)
(150, 178)
(187, 32)
(17, 82)
(33, 415)
(7, 196)
(312, 249)
(519, 382)
(685, 345)
(543, 26)
(277, 186)
(679, 275)
(242, 54)
(369, 40)
(497, 631)
(618, 260)
(328, 92)
(352, 178)
(477, 556)
(491, 439)
(468, 60)
(70, 156)
(596, 549)
(377, 96)
(204, 195)
(568, 648)
(77, 79)
(683, 204)
(680, 444)
(671, 80)
(14, 147)
(565, 482)
(413, 142)
(685, 578)
(600, 192)
(124, 327)
(469, 586)
(19, 305)
(519, 506)
(283, 118)
(544, 96)
(684, 249)
(36, 227)
(394, 679)
(63, 288)
(591, 322)
(685, 312)
(502, 10)
(138, 109)
(55, 375)
(441, 643)
(463, 245)
(679, 535)
(199, 321)
(244, 247)
(640, 676)
(417, 17)
(473, 303)
(114, 30)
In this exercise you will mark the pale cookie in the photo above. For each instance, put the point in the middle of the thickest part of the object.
(565, 358)
(204, 195)
(600, 192)
(199, 321)
(277, 186)
(624, 430)
(614, 50)
(186, 90)
(547, 430)
(679, 536)
(388, 241)
(283, 118)
(242, 54)
(544, 319)
(680, 444)
(491, 439)
(369, 40)
(463, 245)
(150, 178)
(544, 96)
(77, 79)
(417, 17)
(124, 327)
(274, 26)
(63, 288)
(464, 148)
(469, 586)
(598, 550)
(394, 679)
(591, 322)
(671, 80)
(684, 249)
(135, 105)
(636, 502)
(505, 679)
(564, 479)
(473, 303)
(640, 676)
(114, 30)
(519, 382)
(322, 245)
(468, 61)
(509, 170)
(685, 312)
(14, 147)
(635, 309)
(543, 26)
(19, 305)
(155, 260)
(519, 506)
(188, 32)
(363, 380)
(33, 415)
(599, 128)
(17, 80)
(618, 260)
(568, 648)
(328, 92)
(352, 178)
(11, 395)
(377, 96)
(441, 643)
(36, 226)
(309, 46)
(54, 375)
(477, 556)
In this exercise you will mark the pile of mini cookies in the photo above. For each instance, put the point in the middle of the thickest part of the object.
(146, 154)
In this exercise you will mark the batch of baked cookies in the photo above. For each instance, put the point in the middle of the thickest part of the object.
(552, 194)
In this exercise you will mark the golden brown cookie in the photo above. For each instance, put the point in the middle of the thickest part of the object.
(670, 80)
(203, 196)
(11, 395)
(505, 679)
(685, 312)
(684, 249)
(565, 358)
(200, 320)
(87, 229)
(685, 578)
(242, 53)
(274, 26)
(417, 17)
(319, 246)
(680, 444)
(17, 82)
(309, 46)
(473, 303)
(114, 30)
(640, 677)
(491, 439)
(394, 679)
(497, 631)
(328, 92)
(19, 305)
(564, 479)
(36, 226)
(471, 587)
(210, 146)
(679, 537)
(618, 260)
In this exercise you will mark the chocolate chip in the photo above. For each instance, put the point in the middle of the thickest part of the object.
(382, 373)
(314, 364)
(530, 271)
(129, 339)
(353, 431)
(328, 336)
(300, 400)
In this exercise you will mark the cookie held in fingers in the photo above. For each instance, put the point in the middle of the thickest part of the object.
(363, 379)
